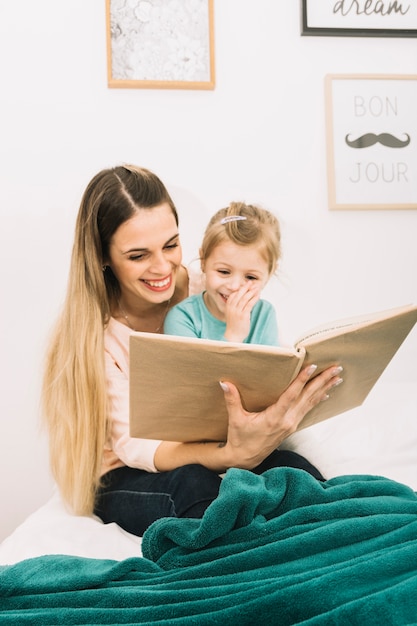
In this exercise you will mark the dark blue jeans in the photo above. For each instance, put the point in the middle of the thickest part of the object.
(134, 498)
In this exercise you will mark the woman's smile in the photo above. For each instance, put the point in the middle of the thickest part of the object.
(158, 285)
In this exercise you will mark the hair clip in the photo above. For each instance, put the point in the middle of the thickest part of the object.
(232, 218)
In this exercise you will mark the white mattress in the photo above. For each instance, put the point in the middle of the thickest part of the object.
(378, 438)
(52, 530)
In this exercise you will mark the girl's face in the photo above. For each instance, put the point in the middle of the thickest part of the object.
(145, 255)
(229, 268)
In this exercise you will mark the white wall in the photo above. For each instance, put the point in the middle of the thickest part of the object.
(259, 136)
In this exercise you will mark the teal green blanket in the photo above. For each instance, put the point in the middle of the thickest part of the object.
(280, 548)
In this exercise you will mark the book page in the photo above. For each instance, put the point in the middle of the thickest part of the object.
(341, 326)
(364, 350)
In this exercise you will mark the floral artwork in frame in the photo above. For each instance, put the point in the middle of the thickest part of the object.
(165, 44)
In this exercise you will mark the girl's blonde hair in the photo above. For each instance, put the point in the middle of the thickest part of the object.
(258, 226)
(74, 394)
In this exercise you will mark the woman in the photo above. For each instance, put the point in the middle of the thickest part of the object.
(125, 275)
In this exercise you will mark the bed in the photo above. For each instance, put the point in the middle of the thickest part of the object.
(280, 546)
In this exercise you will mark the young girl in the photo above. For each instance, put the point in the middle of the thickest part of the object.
(240, 251)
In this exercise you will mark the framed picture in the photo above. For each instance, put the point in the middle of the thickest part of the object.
(160, 44)
(371, 141)
(359, 18)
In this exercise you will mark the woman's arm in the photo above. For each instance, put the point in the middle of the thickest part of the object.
(252, 436)
(121, 448)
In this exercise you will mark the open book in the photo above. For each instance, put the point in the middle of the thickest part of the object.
(174, 381)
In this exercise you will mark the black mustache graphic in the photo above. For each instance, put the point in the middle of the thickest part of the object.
(385, 139)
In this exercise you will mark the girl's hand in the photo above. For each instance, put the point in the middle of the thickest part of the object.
(238, 309)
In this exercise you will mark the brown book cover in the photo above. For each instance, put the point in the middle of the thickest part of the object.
(174, 381)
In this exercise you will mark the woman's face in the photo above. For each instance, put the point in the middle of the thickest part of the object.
(145, 255)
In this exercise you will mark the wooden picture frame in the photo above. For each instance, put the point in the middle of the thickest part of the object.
(359, 18)
(154, 45)
(371, 130)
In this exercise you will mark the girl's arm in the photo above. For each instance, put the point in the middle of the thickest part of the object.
(179, 322)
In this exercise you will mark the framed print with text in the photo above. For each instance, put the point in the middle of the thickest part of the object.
(160, 44)
(371, 132)
(359, 18)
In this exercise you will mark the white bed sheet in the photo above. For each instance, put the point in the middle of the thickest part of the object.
(378, 438)
(53, 530)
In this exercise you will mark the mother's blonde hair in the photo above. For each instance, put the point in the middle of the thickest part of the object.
(74, 395)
